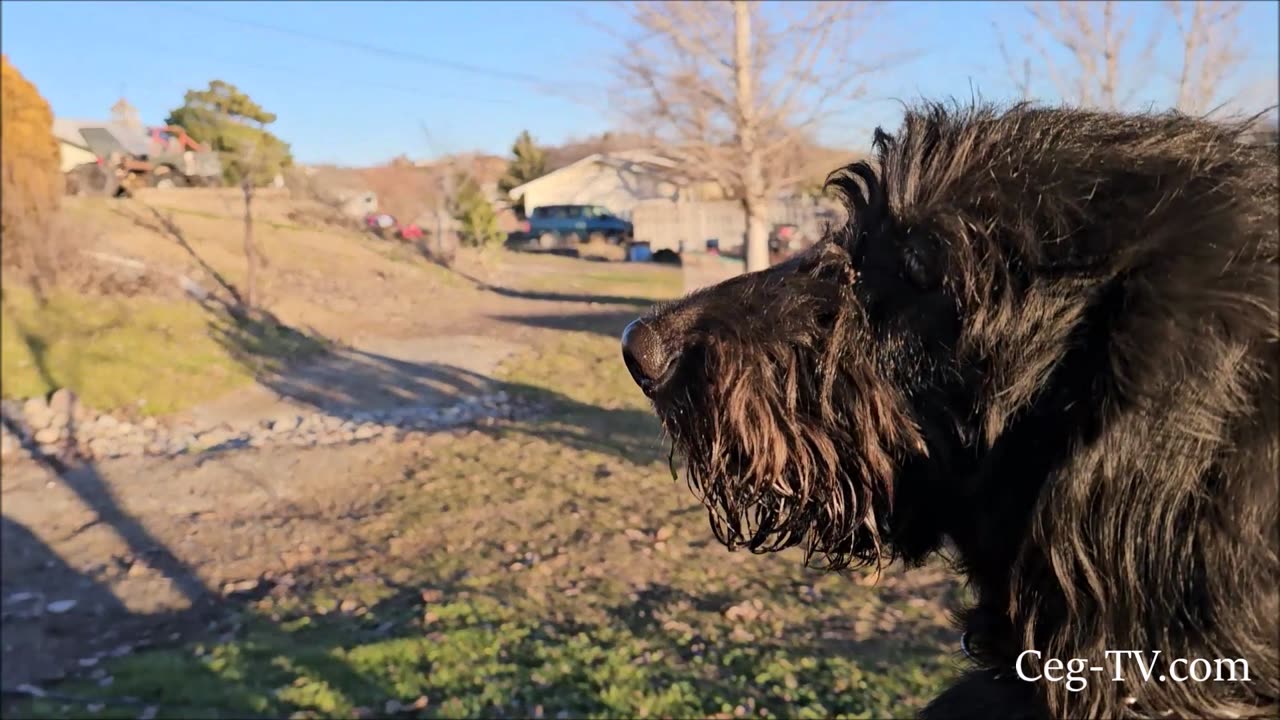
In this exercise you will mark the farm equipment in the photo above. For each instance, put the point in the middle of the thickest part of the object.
(161, 157)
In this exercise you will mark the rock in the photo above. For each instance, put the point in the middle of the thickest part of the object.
(20, 597)
(62, 402)
(742, 612)
(149, 424)
(58, 607)
(348, 606)
(214, 438)
(664, 533)
(35, 412)
(285, 423)
(49, 435)
(241, 586)
(365, 432)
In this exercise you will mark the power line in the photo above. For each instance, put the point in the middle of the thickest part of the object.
(300, 76)
(391, 52)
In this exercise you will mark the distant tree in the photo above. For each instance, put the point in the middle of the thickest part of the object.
(32, 182)
(1103, 54)
(478, 223)
(528, 162)
(229, 122)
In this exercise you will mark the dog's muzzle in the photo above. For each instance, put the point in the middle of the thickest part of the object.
(648, 359)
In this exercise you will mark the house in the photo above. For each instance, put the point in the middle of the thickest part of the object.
(74, 148)
(617, 181)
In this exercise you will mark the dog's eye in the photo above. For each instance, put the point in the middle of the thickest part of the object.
(918, 269)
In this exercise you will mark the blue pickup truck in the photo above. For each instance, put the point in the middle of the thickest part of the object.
(556, 226)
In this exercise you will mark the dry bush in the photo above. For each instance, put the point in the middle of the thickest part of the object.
(32, 182)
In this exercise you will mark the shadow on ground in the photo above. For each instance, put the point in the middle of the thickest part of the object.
(554, 296)
(608, 324)
(455, 650)
(350, 384)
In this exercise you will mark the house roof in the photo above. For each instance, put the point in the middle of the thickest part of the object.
(630, 159)
(68, 130)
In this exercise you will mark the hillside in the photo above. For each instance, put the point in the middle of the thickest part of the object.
(144, 337)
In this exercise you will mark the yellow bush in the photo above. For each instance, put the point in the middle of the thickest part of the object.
(31, 182)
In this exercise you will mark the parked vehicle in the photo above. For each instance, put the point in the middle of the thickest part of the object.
(552, 226)
(785, 240)
(162, 157)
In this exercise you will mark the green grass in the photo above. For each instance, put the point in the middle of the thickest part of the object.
(150, 356)
(614, 279)
(553, 568)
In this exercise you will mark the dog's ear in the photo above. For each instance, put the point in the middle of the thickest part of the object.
(859, 188)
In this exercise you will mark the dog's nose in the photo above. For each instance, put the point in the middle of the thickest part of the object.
(645, 355)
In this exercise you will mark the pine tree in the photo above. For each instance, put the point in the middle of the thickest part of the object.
(528, 162)
(231, 123)
(475, 215)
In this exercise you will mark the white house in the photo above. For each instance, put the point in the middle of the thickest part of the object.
(616, 181)
(73, 149)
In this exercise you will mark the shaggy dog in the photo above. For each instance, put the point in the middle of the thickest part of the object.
(1045, 342)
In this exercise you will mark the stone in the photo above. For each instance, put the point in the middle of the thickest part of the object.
(213, 438)
(365, 432)
(58, 607)
(49, 435)
(62, 402)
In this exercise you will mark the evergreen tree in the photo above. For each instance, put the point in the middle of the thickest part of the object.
(475, 215)
(528, 162)
(231, 123)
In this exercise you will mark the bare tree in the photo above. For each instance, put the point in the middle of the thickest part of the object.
(1093, 55)
(1210, 52)
(251, 170)
(1097, 39)
(732, 89)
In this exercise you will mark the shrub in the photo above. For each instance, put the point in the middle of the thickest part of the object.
(31, 182)
(477, 221)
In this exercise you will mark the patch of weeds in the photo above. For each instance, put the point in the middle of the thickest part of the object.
(482, 658)
(150, 356)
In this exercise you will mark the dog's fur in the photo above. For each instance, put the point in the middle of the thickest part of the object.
(1045, 340)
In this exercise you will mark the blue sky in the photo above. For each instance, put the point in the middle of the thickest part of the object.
(339, 101)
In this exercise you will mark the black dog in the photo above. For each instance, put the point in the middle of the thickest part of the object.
(1046, 338)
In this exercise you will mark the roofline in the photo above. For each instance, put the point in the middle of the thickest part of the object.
(519, 190)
